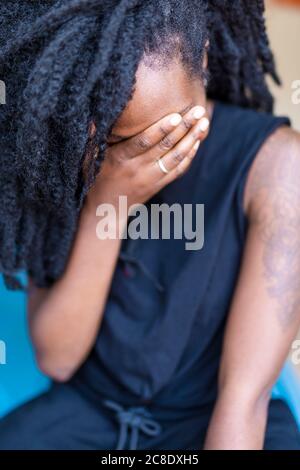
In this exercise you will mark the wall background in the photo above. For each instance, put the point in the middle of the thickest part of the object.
(283, 18)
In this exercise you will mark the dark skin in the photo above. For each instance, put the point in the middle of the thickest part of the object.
(151, 102)
(265, 314)
(143, 134)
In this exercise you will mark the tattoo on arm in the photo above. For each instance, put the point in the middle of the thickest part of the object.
(276, 212)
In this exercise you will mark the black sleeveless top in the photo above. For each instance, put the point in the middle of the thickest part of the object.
(161, 335)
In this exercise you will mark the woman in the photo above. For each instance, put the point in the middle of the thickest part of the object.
(150, 345)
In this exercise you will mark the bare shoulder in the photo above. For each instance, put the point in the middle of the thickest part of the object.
(272, 201)
(274, 178)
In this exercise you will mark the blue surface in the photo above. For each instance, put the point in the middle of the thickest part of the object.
(20, 379)
(288, 388)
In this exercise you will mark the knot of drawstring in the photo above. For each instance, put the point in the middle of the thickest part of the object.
(134, 419)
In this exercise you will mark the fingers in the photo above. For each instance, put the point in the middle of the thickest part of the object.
(160, 137)
(183, 149)
(169, 142)
(182, 167)
(165, 150)
(177, 154)
(185, 164)
(144, 141)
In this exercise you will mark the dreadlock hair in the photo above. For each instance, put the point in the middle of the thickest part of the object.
(68, 63)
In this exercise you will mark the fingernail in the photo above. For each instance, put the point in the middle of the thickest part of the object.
(204, 124)
(199, 112)
(196, 146)
(175, 119)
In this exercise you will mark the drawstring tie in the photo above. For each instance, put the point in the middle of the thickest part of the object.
(134, 418)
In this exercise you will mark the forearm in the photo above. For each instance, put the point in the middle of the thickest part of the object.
(238, 422)
(64, 325)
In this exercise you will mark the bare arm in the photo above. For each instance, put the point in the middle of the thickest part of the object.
(65, 320)
(265, 313)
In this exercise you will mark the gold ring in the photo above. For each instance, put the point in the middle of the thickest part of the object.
(162, 166)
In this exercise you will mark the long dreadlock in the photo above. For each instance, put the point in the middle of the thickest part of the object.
(68, 62)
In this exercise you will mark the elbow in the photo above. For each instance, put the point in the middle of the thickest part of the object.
(59, 371)
(247, 395)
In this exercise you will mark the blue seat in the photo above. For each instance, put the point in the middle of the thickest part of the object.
(20, 379)
(288, 389)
